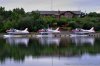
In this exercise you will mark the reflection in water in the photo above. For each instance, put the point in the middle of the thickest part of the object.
(16, 40)
(64, 52)
(49, 40)
(83, 40)
(85, 60)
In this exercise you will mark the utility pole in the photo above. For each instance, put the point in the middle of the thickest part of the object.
(51, 5)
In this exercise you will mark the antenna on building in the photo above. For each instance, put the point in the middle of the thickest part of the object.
(85, 12)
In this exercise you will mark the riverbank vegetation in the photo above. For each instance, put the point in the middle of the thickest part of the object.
(19, 19)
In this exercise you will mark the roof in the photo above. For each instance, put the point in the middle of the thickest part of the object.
(76, 12)
(58, 12)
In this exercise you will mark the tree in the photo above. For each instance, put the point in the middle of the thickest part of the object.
(93, 14)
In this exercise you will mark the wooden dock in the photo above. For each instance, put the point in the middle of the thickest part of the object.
(95, 35)
(57, 35)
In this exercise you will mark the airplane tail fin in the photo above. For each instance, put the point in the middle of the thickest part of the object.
(26, 29)
(57, 29)
(92, 28)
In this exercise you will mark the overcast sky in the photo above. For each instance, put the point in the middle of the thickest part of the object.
(29, 5)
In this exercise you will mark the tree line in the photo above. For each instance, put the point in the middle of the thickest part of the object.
(19, 19)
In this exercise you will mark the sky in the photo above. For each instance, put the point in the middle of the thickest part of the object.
(67, 5)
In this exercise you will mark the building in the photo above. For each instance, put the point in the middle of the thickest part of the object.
(58, 14)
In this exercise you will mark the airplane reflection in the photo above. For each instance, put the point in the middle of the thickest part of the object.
(49, 40)
(16, 40)
(83, 40)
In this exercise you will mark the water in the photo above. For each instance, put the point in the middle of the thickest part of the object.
(65, 51)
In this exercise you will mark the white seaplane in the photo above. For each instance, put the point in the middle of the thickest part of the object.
(82, 32)
(16, 33)
(89, 31)
(50, 30)
(47, 32)
(53, 31)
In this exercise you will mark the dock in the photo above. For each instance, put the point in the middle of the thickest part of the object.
(63, 34)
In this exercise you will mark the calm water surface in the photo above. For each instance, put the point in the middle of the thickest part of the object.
(69, 51)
